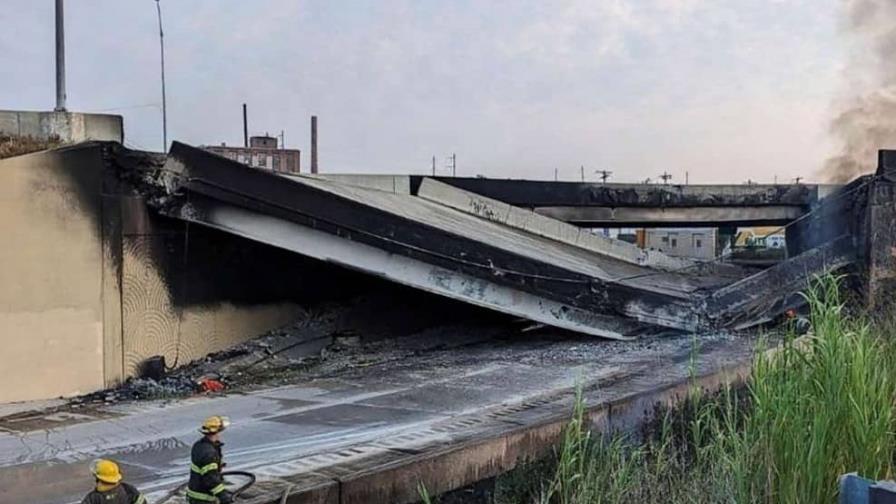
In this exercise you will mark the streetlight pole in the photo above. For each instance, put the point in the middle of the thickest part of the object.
(60, 57)
(164, 104)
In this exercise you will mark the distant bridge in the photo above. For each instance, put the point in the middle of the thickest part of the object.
(589, 204)
(592, 204)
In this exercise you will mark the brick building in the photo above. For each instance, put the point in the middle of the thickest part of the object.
(261, 153)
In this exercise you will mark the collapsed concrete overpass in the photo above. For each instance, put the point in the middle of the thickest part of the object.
(189, 253)
(470, 247)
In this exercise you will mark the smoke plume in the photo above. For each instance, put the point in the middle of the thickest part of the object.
(867, 122)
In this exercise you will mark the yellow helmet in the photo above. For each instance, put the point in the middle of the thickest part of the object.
(214, 424)
(105, 471)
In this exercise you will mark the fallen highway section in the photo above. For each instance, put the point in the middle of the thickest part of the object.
(444, 249)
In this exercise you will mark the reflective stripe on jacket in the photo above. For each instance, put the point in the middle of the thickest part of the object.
(206, 481)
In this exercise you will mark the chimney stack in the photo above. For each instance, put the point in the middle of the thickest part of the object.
(313, 144)
(245, 128)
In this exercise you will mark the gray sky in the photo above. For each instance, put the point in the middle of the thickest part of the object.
(726, 90)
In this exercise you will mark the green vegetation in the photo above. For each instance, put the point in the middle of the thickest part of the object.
(815, 408)
(13, 145)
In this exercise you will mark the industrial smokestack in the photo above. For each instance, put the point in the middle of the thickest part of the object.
(245, 128)
(313, 144)
(60, 57)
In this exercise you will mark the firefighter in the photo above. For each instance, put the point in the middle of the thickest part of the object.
(206, 483)
(109, 487)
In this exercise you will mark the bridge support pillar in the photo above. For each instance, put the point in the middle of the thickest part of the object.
(881, 233)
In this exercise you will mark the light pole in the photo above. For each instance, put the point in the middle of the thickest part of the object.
(60, 57)
(164, 105)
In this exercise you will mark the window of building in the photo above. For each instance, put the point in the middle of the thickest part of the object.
(673, 240)
(698, 241)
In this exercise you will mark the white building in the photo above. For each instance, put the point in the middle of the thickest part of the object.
(696, 243)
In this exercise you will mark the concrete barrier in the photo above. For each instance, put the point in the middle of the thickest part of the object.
(69, 127)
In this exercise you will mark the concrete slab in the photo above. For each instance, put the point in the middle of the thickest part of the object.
(399, 184)
(535, 223)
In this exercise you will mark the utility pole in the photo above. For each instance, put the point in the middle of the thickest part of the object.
(60, 57)
(453, 160)
(666, 177)
(164, 104)
(556, 175)
(282, 139)
(433, 166)
(604, 175)
(582, 170)
(686, 178)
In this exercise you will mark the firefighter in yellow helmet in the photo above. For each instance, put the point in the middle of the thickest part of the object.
(109, 487)
(206, 483)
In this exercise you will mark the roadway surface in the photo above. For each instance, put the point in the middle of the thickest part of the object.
(361, 405)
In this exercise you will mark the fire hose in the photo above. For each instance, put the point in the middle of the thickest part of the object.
(236, 493)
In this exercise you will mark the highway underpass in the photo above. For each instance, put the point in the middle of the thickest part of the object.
(449, 414)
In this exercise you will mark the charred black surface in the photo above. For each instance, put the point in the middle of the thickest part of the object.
(203, 266)
(225, 180)
(880, 245)
(841, 213)
(766, 295)
(81, 166)
(536, 193)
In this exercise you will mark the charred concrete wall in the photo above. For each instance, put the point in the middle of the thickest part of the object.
(188, 290)
(91, 283)
(53, 271)
(881, 232)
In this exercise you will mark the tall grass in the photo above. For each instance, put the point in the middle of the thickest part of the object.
(818, 410)
(815, 408)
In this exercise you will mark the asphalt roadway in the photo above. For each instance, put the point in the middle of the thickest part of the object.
(353, 412)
